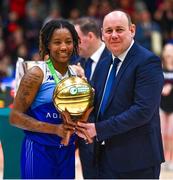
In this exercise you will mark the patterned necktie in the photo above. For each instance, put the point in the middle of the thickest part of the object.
(109, 84)
(88, 68)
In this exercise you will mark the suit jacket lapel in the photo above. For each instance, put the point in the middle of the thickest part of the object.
(126, 64)
(105, 53)
(103, 56)
(100, 79)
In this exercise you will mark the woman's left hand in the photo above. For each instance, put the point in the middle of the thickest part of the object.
(79, 70)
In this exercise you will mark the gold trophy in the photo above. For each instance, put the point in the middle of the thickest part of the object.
(73, 94)
(73, 98)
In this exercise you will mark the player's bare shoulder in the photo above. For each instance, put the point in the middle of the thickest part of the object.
(33, 78)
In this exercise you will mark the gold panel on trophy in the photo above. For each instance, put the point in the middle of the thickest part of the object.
(73, 94)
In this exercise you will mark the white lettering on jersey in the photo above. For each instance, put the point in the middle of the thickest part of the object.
(53, 115)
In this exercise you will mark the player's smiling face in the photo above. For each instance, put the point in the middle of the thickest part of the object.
(61, 45)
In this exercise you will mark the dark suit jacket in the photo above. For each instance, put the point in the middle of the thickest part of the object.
(130, 125)
(82, 61)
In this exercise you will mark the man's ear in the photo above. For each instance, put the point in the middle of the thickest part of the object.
(133, 29)
(102, 37)
(90, 35)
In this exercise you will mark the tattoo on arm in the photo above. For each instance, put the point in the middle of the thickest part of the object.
(27, 91)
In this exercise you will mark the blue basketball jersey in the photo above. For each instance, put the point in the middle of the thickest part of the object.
(43, 109)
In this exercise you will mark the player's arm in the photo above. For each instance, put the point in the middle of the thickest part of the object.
(26, 93)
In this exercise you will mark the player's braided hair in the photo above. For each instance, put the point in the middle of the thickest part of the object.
(47, 31)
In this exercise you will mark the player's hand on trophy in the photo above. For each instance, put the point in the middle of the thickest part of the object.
(69, 127)
(63, 129)
(79, 70)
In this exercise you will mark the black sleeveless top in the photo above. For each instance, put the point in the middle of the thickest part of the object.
(167, 101)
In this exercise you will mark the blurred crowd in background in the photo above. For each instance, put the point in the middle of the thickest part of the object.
(21, 20)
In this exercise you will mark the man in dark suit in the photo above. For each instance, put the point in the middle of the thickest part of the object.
(127, 126)
(91, 48)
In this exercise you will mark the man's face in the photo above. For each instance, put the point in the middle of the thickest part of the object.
(117, 33)
(84, 44)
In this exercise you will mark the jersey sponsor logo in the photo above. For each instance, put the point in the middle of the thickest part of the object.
(50, 78)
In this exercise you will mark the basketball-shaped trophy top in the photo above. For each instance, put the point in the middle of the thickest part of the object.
(73, 94)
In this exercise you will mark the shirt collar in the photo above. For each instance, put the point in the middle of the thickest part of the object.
(96, 56)
(70, 70)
